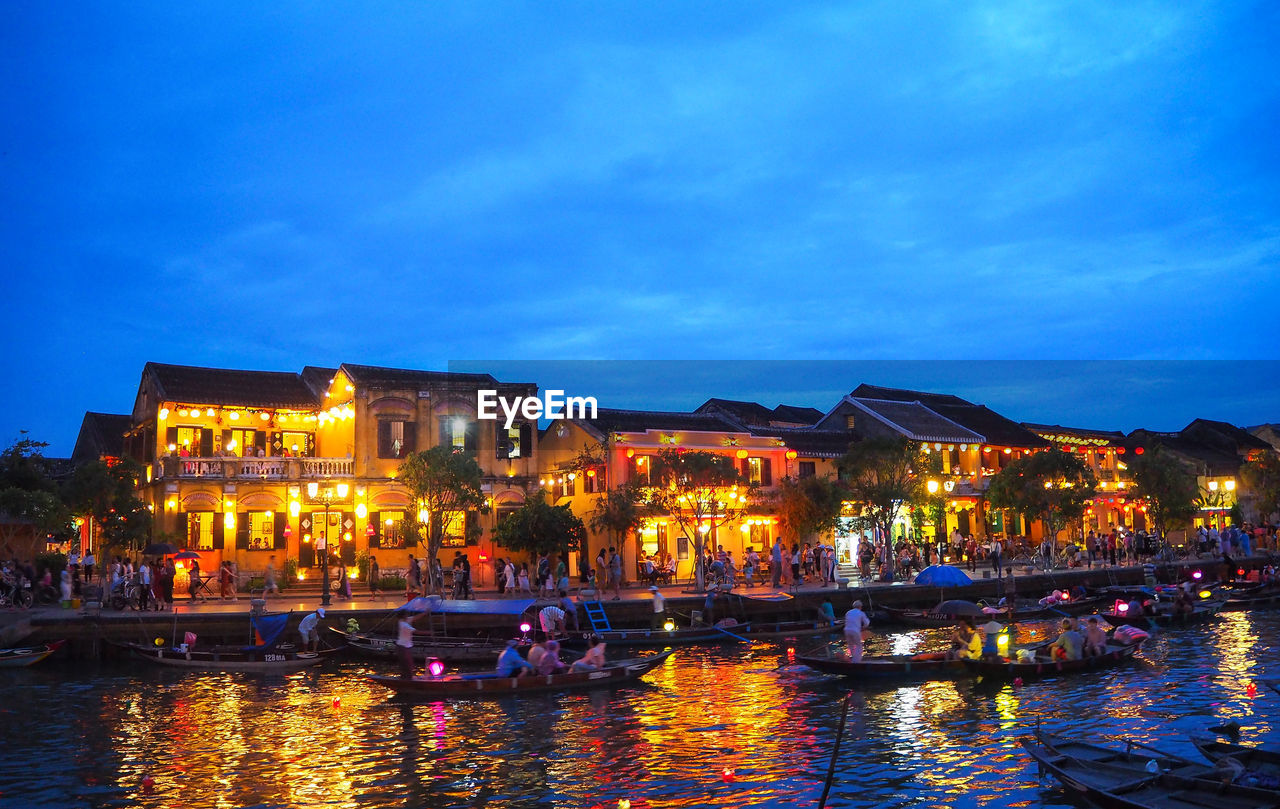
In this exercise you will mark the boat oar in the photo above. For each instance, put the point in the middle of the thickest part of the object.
(835, 752)
(713, 626)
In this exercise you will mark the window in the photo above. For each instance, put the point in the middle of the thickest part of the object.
(457, 432)
(758, 471)
(455, 529)
(593, 481)
(513, 442)
(293, 444)
(262, 530)
(760, 537)
(396, 439)
(241, 443)
(391, 527)
(565, 487)
(640, 469)
(849, 422)
(808, 469)
(200, 530)
(196, 442)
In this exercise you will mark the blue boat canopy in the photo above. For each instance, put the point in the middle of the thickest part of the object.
(441, 606)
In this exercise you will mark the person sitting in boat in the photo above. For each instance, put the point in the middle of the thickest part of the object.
(538, 649)
(593, 660)
(309, 629)
(1095, 640)
(1069, 644)
(511, 664)
(827, 612)
(551, 662)
(1183, 603)
(966, 643)
(990, 636)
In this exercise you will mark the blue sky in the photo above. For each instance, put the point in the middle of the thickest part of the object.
(272, 185)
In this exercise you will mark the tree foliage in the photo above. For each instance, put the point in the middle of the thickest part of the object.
(108, 494)
(538, 527)
(881, 476)
(622, 510)
(809, 506)
(442, 482)
(1262, 477)
(1051, 486)
(700, 491)
(28, 492)
(1168, 486)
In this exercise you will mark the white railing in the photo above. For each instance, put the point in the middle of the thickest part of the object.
(327, 467)
(261, 468)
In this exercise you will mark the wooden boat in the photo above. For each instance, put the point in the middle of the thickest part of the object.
(1121, 780)
(268, 654)
(680, 636)
(24, 656)
(783, 630)
(924, 666)
(491, 685)
(281, 658)
(928, 619)
(1165, 616)
(1254, 597)
(1044, 665)
(1035, 611)
(1261, 765)
(454, 651)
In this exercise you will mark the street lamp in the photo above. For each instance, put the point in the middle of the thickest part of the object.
(327, 495)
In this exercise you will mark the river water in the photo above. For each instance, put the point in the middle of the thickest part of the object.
(724, 726)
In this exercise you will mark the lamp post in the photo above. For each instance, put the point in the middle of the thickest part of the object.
(327, 495)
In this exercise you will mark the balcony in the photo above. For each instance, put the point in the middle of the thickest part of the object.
(232, 468)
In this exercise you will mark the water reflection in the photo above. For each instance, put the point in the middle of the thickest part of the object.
(723, 726)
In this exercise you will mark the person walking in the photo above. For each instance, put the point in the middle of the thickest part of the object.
(615, 573)
(269, 584)
(775, 563)
(375, 577)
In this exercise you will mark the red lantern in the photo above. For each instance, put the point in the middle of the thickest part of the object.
(1138, 450)
(1119, 450)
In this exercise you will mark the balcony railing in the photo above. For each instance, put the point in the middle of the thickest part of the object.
(232, 468)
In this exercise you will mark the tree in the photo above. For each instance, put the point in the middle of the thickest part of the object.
(1262, 477)
(107, 493)
(1051, 486)
(538, 527)
(621, 511)
(29, 495)
(442, 482)
(881, 477)
(1168, 486)
(809, 506)
(700, 491)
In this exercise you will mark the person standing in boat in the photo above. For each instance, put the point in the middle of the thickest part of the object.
(404, 642)
(659, 608)
(855, 623)
(309, 629)
(552, 618)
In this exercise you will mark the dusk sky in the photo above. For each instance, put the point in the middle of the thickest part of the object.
(273, 185)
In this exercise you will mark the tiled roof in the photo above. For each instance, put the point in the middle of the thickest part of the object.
(745, 412)
(1213, 460)
(794, 414)
(809, 442)
(101, 435)
(318, 379)
(608, 420)
(917, 422)
(225, 386)
(994, 427)
(1229, 434)
(1052, 431)
(376, 376)
(902, 395)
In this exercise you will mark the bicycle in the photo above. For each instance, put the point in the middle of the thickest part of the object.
(126, 594)
(15, 594)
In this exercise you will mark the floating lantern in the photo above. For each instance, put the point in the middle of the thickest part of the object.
(624, 804)
(436, 668)
(727, 774)
(1252, 690)
(1205, 593)
(1240, 572)
(1017, 682)
(1002, 642)
(1197, 575)
(337, 702)
(159, 641)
